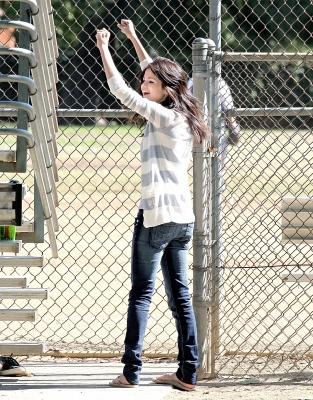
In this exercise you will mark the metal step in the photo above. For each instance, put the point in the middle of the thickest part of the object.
(10, 246)
(14, 281)
(18, 315)
(7, 197)
(297, 204)
(27, 226)
(28, 293)
(297, 235)
(7, 155)
(21, 348)
(297, 219)
(297, 276)
(22, 261)
(7, 216)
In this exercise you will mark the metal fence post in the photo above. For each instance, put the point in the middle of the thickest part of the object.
(216, 182)
(216, 23)
(200, 195)
(216, 188)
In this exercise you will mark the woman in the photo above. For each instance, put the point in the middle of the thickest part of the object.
(164, 224)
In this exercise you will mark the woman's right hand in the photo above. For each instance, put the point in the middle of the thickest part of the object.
(126, 26)
(103, 37)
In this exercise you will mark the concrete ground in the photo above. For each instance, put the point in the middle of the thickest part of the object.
(64, 380)
(60, 381)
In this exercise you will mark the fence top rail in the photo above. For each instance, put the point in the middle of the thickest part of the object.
(258, 56)
(81, 113)
(243, 112)
(275, 112)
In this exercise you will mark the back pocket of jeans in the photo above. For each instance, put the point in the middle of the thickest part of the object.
(186, 236)
(161, 235)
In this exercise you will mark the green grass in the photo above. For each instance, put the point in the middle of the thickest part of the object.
(96, 136)
(86, 136)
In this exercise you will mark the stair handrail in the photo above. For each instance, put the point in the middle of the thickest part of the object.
(33, 121)
(33, 91)
(4, 24)
(13, 51)
(32, 147)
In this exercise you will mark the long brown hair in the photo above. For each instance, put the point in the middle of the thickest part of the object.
(174, 80)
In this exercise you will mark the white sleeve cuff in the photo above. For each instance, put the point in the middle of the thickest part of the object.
(145, 63)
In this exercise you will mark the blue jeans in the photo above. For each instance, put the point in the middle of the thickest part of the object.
(168, 245)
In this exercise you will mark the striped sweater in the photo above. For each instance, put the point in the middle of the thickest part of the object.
(165, 154)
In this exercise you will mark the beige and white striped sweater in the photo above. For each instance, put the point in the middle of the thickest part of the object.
(165, 154)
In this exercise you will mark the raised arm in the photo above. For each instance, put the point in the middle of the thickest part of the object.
(227, 104)
(234, 131)
(127, 27)
(103, 37)
(151, 110)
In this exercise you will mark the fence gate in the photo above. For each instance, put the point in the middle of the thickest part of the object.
(261, 275)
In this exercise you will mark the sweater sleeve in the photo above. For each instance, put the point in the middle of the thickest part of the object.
(153, 112)
(145, 63)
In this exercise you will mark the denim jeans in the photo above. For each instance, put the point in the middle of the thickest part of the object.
(168, 245)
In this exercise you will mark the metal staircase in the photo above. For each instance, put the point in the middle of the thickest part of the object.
(34, 135)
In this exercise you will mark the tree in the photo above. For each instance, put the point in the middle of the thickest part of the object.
(168, 29)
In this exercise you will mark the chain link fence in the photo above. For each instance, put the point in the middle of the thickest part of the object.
(264, 321)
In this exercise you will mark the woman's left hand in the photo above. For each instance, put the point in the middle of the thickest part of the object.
(127, 27)
(102, 36)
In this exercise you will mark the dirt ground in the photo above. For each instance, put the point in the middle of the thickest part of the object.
(244, 387)
(229, 391)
